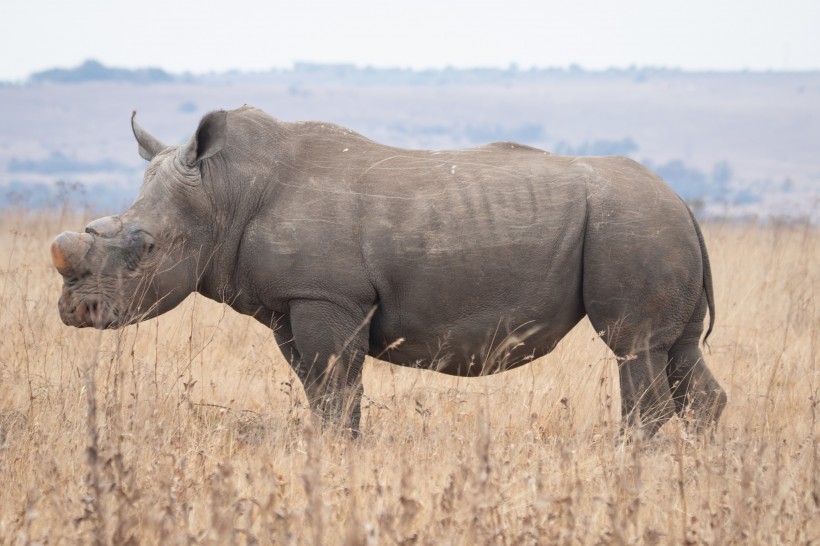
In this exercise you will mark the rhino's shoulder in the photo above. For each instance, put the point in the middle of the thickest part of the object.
(508, 145)
(322, 129)
(248, 111)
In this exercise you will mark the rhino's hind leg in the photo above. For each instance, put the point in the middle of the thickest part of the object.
(694, 388)
(646, 401)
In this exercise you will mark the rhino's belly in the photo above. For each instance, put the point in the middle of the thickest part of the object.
(476, 345)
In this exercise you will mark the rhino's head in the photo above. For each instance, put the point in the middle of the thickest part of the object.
(142, 263)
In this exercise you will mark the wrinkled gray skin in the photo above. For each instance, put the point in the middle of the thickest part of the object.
(466, 262)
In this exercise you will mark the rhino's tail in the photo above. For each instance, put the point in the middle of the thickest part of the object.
(707, 276)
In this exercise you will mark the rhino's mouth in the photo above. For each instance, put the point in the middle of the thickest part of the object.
(89, 312)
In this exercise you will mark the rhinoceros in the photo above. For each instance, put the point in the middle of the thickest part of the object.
(466, 262)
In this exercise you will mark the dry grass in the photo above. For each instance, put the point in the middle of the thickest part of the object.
(191, 429)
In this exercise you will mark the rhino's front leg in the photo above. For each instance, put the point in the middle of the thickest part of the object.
(327, 350)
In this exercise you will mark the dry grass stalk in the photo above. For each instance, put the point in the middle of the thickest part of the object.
(191, 428)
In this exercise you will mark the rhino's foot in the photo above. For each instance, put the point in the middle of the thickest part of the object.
(340, 412)
(702, 411)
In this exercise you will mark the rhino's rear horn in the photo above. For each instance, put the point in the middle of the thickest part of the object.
(68, 251)
(107, 227)
(147, 144)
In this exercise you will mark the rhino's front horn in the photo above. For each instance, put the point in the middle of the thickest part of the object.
(68, 251)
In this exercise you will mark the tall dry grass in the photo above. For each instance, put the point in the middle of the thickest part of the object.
(191, 429)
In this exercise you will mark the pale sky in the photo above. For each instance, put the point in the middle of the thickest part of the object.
(206, 35)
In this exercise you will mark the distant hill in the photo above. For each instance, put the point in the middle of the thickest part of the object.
(348, 74)
(94, 71)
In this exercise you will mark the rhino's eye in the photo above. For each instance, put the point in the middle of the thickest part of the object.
(140, 242)
(148, 243)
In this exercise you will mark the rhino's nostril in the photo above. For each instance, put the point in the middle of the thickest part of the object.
(87, 313)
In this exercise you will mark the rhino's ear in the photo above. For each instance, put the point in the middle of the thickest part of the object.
(209, 139)
(148, 145)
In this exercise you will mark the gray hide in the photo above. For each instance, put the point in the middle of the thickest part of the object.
(466, 262)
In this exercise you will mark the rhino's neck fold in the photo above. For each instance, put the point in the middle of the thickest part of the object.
(240, 182)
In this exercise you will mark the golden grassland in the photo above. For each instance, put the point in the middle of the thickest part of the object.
(191, 429)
